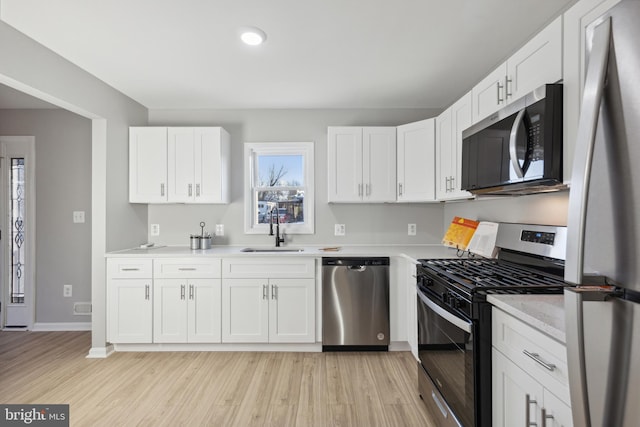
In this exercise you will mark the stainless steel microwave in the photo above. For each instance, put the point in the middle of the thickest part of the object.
(517, 150)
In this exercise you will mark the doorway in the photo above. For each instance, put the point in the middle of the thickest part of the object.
(17, 231)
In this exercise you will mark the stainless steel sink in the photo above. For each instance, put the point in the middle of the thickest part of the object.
(272, 250)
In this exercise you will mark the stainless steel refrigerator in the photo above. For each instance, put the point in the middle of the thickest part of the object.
(603, 229)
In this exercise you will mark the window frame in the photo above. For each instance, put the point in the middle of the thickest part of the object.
(254, 149)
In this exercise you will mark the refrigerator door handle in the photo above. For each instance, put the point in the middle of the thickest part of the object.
(574, 324)
(581, 174)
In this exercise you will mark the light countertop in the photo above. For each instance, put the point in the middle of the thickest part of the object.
(543, 312)
(412, 252)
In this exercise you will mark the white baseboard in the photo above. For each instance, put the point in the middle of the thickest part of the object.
(100, 352)
(61, 326)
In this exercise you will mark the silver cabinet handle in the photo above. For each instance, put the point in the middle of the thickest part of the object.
(439, 405)
(190, 187)
(197, 190)
(498, 87)
(274, 292)
(182, 291)
(368, 187)
(448, 184)
(191, 292)
(187, 268)
(359, 190)
(130, 269)
(264, 292)
(507, 81)
(544, 416)
(513, 137)
(146, 292)
(162, 189)
(400, 188)
(536, 357)
(527, 411)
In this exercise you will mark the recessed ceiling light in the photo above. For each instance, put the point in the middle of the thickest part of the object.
(252, 36)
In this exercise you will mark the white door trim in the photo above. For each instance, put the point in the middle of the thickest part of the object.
(23, 146)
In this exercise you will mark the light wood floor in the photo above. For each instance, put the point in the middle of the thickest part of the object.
(209, 388)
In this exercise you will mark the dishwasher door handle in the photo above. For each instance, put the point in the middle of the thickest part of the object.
(358, 268)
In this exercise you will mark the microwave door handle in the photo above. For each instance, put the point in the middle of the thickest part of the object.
(513, 141)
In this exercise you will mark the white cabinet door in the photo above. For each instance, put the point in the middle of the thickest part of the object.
(379, 164)
(514, 394)
(292, 310)
(147, 164)
(245, 311)
(344, 164)
(130, 311)
(416, 161)
(444, 153)
(574, 65)
(211, 162)
(489, 94)
(536, 63)
(170, 311)
(181, 163)
(558, 414)
(461, 119)
(204, 311)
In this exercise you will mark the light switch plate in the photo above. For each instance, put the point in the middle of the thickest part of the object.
(219, 229)
(339, 230)
(78, 217)
(412, 229)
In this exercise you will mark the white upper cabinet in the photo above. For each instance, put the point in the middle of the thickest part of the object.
(576, 21)
(538, 62)
(148, 164)
(416, 152)
(179, 165)
(449, 127)
(361, 164)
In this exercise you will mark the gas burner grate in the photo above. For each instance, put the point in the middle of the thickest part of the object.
(490, 274)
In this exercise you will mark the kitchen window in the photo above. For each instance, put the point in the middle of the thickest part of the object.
(279, 186)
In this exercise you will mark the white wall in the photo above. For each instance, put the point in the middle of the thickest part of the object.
(63, 185)
(365, 223)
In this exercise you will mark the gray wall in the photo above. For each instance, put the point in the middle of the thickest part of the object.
(365, 223)
(547, 209)
(63, 185)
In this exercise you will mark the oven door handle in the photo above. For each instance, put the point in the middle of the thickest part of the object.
(460, 323)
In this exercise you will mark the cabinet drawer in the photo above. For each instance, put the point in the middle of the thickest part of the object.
(129, 268)
(531, 349)
(180, 268)
(268, 267)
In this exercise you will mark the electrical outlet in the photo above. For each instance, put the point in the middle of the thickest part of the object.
(219, 229)
(78, 217)
(412, 229)
(155, 229)
(339, 230)
(67, 291)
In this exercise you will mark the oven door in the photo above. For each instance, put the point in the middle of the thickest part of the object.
(445, 348)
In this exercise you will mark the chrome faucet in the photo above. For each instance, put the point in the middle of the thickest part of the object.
(278, 238)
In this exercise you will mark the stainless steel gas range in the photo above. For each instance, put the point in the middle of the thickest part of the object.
(454, 318)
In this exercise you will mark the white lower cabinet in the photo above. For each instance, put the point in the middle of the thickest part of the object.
(529, 383)
(129, 301)
(279, 308)
(186, 303)
(186, 311)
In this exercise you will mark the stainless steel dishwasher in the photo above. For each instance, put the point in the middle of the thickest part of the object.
(355, 304)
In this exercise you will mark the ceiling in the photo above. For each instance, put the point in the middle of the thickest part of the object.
(319, 53)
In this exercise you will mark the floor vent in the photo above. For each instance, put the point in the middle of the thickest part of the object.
(82, 308)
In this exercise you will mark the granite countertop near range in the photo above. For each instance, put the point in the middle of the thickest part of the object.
(543, 312)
